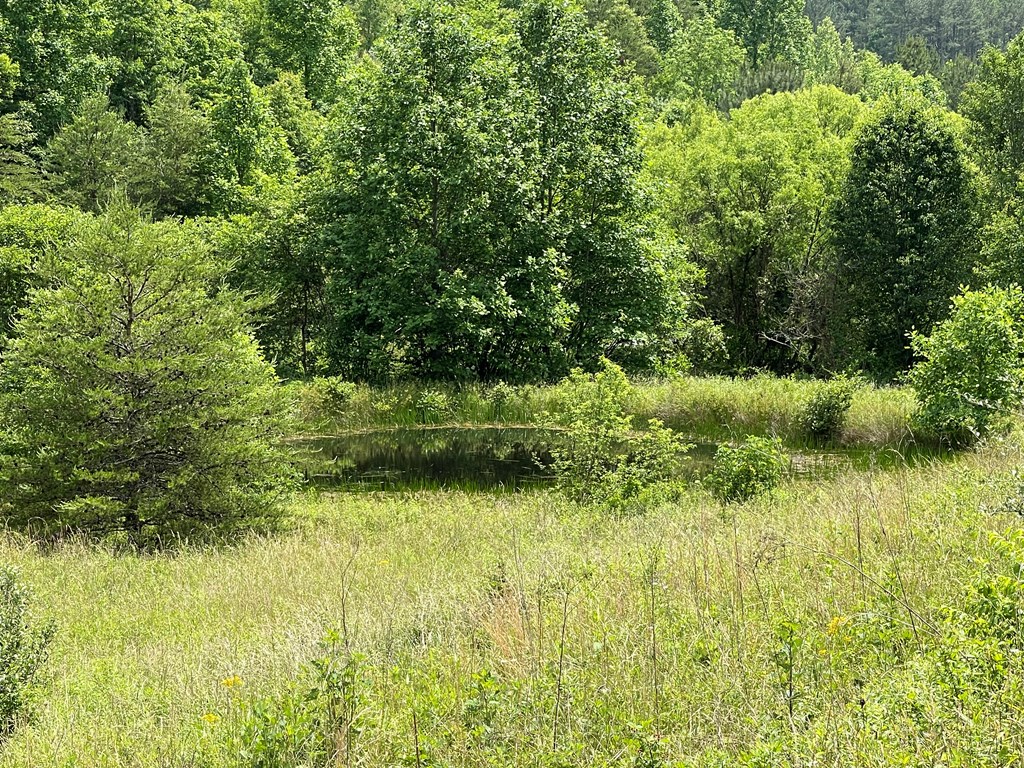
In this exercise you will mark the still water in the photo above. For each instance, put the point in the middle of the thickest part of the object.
(508, 458)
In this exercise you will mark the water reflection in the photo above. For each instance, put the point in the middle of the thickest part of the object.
(512, 458)
(472, 458)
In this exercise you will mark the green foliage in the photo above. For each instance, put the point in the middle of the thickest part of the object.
(276, 257)
(702, 63)
(134, 397)
(917, 56)
(906, 232)
(27, 232)
(135, 48)
(993, 105)
(626, 31)
(831, 60)
(484, 219)
(750, 469)
(311, 723)
(877, 80)
(1002, 250)
(771, 30)
(252, 144)
(948, 27)
(20, 180)
(23, 650)
(500, 397)
(750, 196)
(53, 44)
(825, 413)
(314, 38)
(603, 459)
(970, 376)
(433, 406)
(325, 398)
(93, 156)
(177, 165)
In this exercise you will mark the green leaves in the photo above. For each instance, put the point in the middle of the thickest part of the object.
(749, 196)
(134, 397)
(603, 460)
(970, 376)
(23, 649)
(484, 219)
(906, 231)
(752, 468)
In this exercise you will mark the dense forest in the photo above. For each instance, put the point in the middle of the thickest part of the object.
(492, 190)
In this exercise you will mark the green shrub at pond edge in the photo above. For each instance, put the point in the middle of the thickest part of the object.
(434, 406)
(750, 469)
(969, 378)
(23, 650)
(603, 460)
(826, 412)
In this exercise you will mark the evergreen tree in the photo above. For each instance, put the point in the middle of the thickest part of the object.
(906, 232)
(133, 396)
(93, 155)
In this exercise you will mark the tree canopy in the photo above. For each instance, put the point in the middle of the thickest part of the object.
(505, 189)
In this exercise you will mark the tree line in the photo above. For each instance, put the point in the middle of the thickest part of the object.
(487, 190)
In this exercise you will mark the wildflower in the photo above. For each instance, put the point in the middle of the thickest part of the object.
(211, 718)
(837, 623)
(232, 682)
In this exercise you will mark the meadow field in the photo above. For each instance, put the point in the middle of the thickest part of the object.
(870, 618)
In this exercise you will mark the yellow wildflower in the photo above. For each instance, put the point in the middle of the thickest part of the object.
(211, 718)
(231, 682)
(837, 623)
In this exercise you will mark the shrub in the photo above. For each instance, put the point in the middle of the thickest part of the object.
(825, 414)
(602, 459)
(134, 397)
(752, 468)
(335, 392)
(969, 377)
(433, 406)
(501, 396)
(22, 651)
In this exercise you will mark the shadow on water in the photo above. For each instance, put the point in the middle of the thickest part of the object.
(516, 458)
(478, 458)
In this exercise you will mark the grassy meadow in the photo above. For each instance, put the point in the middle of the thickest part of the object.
(848, 621)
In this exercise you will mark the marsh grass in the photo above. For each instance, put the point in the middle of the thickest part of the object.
(714, 409)
(528, 630)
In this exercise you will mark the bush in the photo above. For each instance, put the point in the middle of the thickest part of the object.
(825, 414)
(500, 397)
(334, 392)
(22, 652)
(134, 397)
(433, 406)
(969, 378)
(754, 467)
(603, 460)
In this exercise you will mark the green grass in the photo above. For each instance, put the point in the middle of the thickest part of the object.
(705, 409)
(453, 605)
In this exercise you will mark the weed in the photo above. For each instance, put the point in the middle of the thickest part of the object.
(23, 649)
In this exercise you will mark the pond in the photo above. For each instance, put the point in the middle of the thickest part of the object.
(477, 458)
(509, 458)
